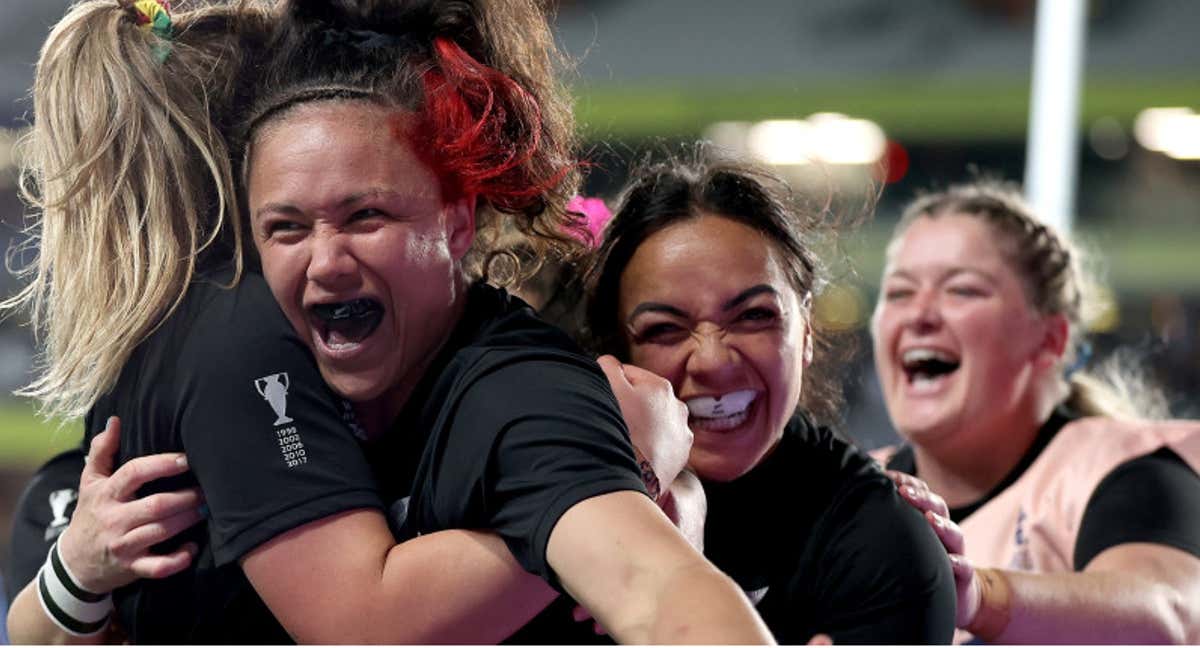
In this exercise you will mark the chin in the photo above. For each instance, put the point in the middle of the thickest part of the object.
(719, 471)
(922, 431)
(354, 387)
(719, 466)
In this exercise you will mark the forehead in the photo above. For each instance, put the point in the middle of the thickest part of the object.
(703, 259)
(945, 242)
(332, 144)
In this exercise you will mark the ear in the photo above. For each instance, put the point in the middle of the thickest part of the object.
(1056, 332)
(460, 225)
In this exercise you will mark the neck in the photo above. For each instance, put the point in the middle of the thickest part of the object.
(377, 415)
(966, 467)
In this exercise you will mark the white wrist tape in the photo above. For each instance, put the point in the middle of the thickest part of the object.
(72, 608)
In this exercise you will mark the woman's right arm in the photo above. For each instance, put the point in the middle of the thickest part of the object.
(471, 591)
(481, 593)
(448, 587)
(107, 542)
(620, 557)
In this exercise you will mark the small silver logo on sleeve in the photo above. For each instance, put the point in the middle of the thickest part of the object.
(59, 501)
(274, 389)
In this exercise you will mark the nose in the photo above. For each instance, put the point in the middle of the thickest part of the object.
(924, 314)
(711, 359)
(331, 261)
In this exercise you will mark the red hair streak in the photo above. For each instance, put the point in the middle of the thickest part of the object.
(479, 129)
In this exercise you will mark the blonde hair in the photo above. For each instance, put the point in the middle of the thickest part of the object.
(128, 180)
(1052, 271)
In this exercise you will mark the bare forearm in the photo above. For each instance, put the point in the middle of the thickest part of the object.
(29, 624)
(1110, 607)
(467, 586)
(703, 593)
(344, 580)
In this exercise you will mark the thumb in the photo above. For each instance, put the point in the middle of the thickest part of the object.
(103, 451)
(821, 640)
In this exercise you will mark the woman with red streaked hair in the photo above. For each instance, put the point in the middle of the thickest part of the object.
(381, 143)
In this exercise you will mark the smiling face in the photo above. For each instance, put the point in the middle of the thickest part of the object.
(706, 303)
(958, 349)
(357, 245)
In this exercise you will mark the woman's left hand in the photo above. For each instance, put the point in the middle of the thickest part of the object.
(933, 507)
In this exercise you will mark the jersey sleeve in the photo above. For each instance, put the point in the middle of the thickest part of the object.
(882, 576)
(43, 511)
(270, 444)
(548, 435)
(1153, 498)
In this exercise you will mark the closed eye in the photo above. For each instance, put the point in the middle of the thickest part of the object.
(967, 291)
(659, 333)
(281, 227)
(363, 214)
(757, 315)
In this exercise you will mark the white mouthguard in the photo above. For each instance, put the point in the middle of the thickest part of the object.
(726, 405)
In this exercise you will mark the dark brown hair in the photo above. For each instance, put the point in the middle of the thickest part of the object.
(680, 189)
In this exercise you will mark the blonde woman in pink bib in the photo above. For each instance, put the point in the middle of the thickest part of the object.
(1071, 516)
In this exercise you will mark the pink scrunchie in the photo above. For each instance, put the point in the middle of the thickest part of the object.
(596, 216)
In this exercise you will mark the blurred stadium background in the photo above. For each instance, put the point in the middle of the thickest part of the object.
(932, 88)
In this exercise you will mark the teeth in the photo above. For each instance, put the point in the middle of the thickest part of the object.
(723, 406)
(913, 356)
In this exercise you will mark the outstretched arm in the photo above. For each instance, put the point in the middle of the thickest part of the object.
(1131, 593)
(446, 587)
(619, 556)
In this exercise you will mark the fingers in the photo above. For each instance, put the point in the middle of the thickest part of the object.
(140, 540)
(161, 566)
(103, 451)
(918, 494)
(821, 640)
(580, 614)
(161, 506)
(615, 372)
(636, 375)
(136, 472)
(948, 532)
(963, 570)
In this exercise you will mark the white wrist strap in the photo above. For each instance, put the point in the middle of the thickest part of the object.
(77, 611)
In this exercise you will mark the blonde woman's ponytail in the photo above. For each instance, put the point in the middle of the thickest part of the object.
(128, 180)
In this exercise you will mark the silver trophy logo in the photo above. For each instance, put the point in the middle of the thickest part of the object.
(274, 389)
(59, 501)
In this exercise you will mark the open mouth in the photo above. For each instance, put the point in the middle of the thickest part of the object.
(722, 412)
(344, 324)
(924, 366)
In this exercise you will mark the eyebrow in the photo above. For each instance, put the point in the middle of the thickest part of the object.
(658, 307)
(359, 196)
(948, 273)
(746, 294)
